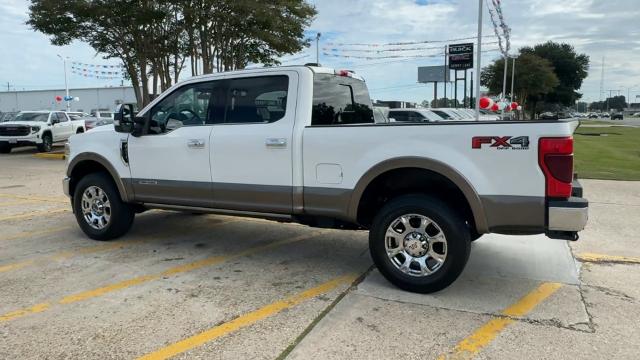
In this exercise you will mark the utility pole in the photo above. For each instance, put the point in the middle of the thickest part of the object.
(66, 84)
(318, 48)
(602, 80)
(478, 60)
(513, 76)
(504, 81)
(446, 103)
(8, 87)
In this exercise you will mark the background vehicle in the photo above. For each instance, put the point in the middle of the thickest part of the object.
(101, 113)
(413, 115)
(548, 116)
(617, 116)
(38, 128)
(423, 190)
(604, 115)
(7, 116)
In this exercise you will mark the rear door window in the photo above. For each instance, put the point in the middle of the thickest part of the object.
(340, 100)
(261, 99)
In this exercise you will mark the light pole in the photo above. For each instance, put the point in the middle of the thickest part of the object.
(479, 60)
(66, 84)
(513, 76)
(318, 48)
(504, 81)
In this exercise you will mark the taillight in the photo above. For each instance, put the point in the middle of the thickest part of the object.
(555, 157)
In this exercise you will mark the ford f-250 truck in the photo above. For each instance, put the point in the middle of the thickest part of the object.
(300, 144)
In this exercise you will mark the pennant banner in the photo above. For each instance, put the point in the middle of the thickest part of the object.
(97, 66)
(404, 43)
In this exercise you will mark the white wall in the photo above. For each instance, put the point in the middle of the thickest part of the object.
(92, 98)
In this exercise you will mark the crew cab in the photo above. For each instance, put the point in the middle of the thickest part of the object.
(38, 128)
(300, 144)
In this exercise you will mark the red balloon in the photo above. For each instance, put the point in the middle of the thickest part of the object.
(485, 102)
(495, 107)
(514, 105)
(58, 98)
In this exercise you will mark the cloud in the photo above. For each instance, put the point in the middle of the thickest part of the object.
(597, 28)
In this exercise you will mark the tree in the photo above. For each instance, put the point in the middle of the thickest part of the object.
(155, 38)
(534, 77)
(616, 103)
(445, 103)
(570, 67)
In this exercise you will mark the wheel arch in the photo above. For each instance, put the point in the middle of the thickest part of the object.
(87, 163)
(431, 165)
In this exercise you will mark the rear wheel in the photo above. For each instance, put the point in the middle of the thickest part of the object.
(99, 211)
(47, 143)
(419, 243)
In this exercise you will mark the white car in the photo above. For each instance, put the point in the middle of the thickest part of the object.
(300, 144)
(38, 128)
(413, 115)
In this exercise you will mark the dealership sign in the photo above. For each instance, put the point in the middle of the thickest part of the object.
(461, 56)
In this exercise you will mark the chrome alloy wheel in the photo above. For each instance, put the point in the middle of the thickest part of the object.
(416, 245)
(96, 208)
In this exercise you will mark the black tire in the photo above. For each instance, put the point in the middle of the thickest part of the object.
(80, 131)
(5, 149)
(451, 224)
(47, 143)
(121, 214)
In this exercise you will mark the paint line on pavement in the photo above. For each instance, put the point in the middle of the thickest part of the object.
(33, 213)
(36, 198)
(213, 260)
(25, 234)
(483, 336)
(602, 258)
(56, 156)
(247, 319)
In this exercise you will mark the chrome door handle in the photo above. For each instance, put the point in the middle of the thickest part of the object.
(195, 143)
(276, 142)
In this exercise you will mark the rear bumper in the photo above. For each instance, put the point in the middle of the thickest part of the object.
(568, 215)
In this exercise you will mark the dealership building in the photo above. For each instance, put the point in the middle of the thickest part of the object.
(104, 98)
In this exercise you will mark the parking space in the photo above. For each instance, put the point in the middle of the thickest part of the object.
(217, 287)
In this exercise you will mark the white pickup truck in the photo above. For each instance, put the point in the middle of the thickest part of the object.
(300, 144)
(38, 128)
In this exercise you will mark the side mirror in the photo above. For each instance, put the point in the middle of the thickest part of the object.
(55, 121)
(123, 118)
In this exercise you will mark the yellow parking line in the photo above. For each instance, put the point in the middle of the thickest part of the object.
(32, 214)
(591, 257)
(105, 246)
(35, 198)
(18, 202)
(470, 346)
(247, 319)
(214, 260)
(15, 266)
(34, 233)
(49, 156)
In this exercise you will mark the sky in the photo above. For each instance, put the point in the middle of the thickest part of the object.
(594, 27)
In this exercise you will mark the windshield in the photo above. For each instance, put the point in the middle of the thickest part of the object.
(42, 117)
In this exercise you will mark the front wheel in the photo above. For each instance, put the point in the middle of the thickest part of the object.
(99, 211)
(47, 143)
(419, 243)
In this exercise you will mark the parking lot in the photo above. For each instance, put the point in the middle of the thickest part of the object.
(217, 287)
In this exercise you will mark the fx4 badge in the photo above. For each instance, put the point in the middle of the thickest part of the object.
(501, 142)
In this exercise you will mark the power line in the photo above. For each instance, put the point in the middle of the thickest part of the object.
(392, 50)
(405, 42)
